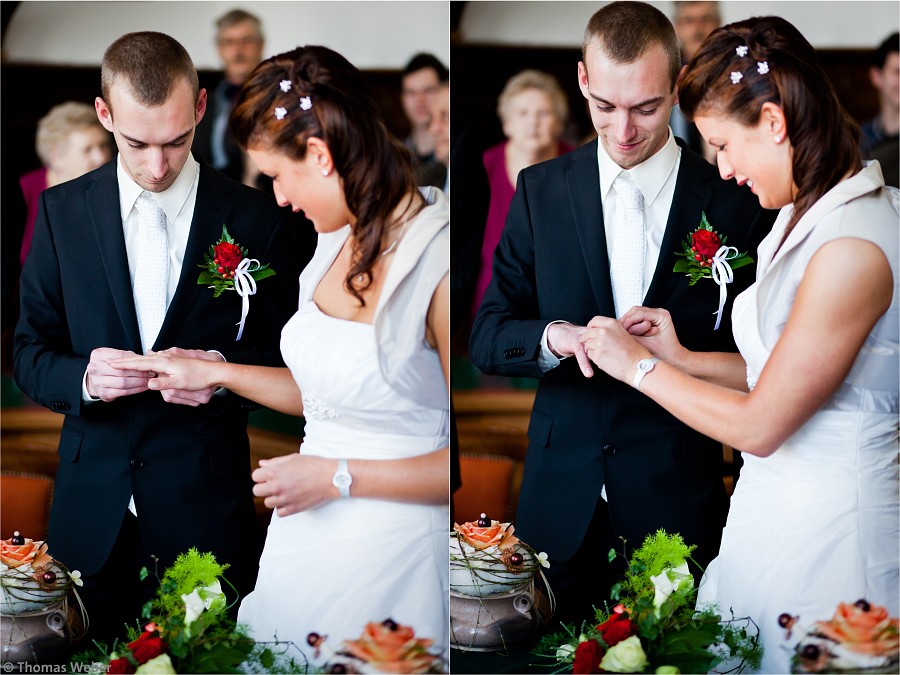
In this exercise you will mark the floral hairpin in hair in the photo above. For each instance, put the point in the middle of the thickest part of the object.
(285, 85)
(762, 67)
(742, 50)
(736, 76)
(280, 113)
(305, 103)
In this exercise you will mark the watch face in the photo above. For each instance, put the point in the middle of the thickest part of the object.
(342, 480)
(645, 364)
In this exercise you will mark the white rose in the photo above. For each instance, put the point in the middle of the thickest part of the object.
(670, 580)
(200, 599)
(625, 657)
(161, 665)
(565, 653)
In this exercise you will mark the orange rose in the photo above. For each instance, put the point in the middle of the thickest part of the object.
(863, 628)
(497, 534)
(16, 555)
(392, 648)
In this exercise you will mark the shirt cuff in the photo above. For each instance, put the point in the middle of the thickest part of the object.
(85, 396)
(547, 360)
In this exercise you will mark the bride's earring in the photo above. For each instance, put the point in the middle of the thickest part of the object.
(325, 172)
(778, 138)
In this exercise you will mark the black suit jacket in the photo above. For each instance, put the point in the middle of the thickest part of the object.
(552, 264)
(188, 468)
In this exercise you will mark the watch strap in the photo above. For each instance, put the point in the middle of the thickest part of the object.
(342, 479)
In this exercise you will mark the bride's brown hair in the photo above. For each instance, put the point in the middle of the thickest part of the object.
(825, 139)
(375, 169)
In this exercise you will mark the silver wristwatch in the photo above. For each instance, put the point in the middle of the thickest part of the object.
(644, 366)
(342, 479)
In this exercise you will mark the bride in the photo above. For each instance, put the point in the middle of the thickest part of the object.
(812, 398)
(359, 532)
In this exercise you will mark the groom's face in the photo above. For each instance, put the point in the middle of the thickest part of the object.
(629, 102)
(154, 141)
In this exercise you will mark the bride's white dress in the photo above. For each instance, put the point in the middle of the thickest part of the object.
(816, 523)
(334, 568)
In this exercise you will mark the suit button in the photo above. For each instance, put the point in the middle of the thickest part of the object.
(137, 463)
(609, 449)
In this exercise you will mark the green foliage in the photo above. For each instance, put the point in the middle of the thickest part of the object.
(672, 632)
(215, 642)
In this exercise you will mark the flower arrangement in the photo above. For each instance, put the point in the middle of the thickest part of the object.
(486, 558)
(190, 631)
(702, 249)
(224, 260)
(859, 637)
(30, 579)
(386, 647)
(654, 627)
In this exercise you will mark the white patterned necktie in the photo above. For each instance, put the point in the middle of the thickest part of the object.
(629, 245)
(151, 274)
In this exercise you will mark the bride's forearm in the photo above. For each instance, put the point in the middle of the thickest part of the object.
(727, 369)
(424, 479)
(273, 388)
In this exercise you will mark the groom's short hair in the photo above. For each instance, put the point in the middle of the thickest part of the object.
(626, 29)
(152, 63)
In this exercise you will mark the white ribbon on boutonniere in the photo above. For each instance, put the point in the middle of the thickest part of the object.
(245, 285)
(723, 275)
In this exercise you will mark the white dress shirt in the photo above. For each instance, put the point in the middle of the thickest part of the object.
(656, 179)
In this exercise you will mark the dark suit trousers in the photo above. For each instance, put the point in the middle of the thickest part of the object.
(115, 595)
(584, 581)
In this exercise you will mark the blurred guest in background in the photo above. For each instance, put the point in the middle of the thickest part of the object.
(533, 111)
(240, 41)
(880, 134)
(70, 142)
(694, 21)
(421, 80)
(440, 135)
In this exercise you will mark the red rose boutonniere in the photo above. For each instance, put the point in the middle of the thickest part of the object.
(228, 267)
(705, 254)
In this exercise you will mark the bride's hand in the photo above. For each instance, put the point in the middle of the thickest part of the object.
(609, 345)
(654, 329)
(182, 376)
(294, 483)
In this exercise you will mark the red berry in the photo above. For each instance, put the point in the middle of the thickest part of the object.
(698, 257)
(693, 248)
(220, 269)
(216, 261)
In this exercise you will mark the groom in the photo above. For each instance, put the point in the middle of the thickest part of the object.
(146, 473)
(603, 461)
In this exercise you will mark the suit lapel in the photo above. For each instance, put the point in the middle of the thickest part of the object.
(583, 182)
(103, 205)
(692, 195)
(211, 211)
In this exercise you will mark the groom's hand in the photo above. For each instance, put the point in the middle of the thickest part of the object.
(108, 383)
(184, 396)
(564, 339)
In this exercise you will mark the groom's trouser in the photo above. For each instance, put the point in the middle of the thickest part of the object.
(584, 581)
(115, 595)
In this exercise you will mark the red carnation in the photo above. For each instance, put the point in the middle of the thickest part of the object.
(148, 646)
(587, 657)
(121, 665)
(616, 628)
(706, 242)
